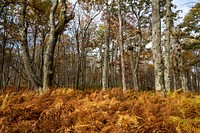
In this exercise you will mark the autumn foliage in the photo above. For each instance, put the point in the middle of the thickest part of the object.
(68, 110)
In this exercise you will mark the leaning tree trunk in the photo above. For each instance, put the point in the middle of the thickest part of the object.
(167, 47)
(55, 30)
(25, 51)
(156, 40)
(121, 46)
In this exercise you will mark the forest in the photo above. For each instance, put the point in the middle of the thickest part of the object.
(99, 66)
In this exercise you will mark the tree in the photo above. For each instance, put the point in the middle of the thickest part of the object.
(25, 50)
(156, 41)
(140, 9)
(187, 39)
(106, 51)
(56, 28)
(121, 45)
(167, 46)
(190, 26)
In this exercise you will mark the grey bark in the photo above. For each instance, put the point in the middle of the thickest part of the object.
(167, 46)
(139, 13)
(121, 46)
(55, 30)
(156, 41)
(106, 52)
(183, 77)
(25, 51)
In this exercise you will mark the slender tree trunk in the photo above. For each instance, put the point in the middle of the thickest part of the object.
(198, 80)
(64, 68)
(73, 67)
(183, 77)
(78, 61)
(83, 66)
(34, 43)
(42, 56)
(121, 46)
(112, 70)
(24, 46)
(135, 76)
(3, 61)
(20, 70)
(134, 65)
(157, 55)
(167, 46)
(101, 65)
(106, 52)
(133, 70)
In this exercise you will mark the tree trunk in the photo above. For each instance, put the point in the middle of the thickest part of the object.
(135, 76)
(48, 61)
(106, 52)
(121, 46)
(156, 40)
(34, 42)
(78, 60)
(24, 46)
(3, 61)
(183, 77)
(55, 31)
(167, 47)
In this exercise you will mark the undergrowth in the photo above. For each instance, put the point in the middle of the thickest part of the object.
(68, 110)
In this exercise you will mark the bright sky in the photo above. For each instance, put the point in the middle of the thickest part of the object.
(183, 5)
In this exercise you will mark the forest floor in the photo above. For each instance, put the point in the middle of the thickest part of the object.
(68, 110)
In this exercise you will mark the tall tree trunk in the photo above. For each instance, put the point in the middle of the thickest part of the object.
(167, 47)
(112, 69)
(24, 46)
(42, 55)
(183, 77)
(55, 31)
(121, 46)
(78, 60)
(156, 40)
(135, 76)
(34, 42)
(106, 52)
(83, 66)
(134, 64)
(134, 72)
(3, 61)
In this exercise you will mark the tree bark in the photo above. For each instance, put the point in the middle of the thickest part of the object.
(2, 61)
(25, 51)
(156, 40)
(167, 46)
(55, 30)
(106, 52)
(121, 46)
(183, 77)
